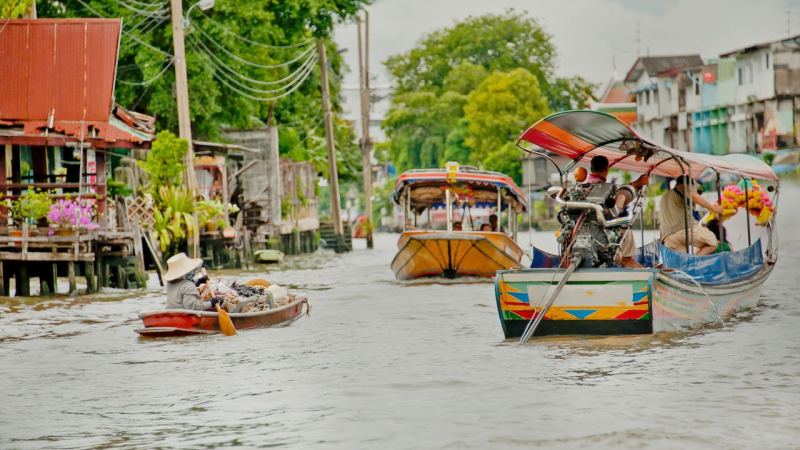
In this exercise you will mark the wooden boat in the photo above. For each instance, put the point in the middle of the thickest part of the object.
(182, 322)
(675, 290)
(428, 252)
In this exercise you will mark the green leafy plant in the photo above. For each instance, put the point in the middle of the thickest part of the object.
(118, 188)
(175, 205)
(214, 210)
(31, 206)
(164, 165)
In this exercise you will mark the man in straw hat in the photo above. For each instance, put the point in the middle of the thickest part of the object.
(182, 290)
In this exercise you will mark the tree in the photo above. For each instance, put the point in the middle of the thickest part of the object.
(498, 111)
(500, 70)
(164, 163)
(495, 42)
(234, 31)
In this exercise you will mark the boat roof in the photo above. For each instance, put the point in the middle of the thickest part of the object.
(581, 135)
(479, 180)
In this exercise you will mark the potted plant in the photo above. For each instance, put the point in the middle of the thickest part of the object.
(31, 207)
(211, 214)
(67, 216)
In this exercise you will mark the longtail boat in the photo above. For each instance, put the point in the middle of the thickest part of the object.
(184, 322)
(425, 251)
(581, 290)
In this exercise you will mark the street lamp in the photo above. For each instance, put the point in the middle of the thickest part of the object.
(204, 5)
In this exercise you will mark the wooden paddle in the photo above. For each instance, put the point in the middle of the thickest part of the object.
(225, 322)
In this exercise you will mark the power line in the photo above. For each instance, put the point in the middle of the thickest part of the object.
(145, 83)
(293, 84)
(250, 63)
(138, 11)
(242, 38)
(259, 99)
(146, 5)
(265, 83)
(94, 11)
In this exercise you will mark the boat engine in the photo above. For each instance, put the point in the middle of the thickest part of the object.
(589, 226)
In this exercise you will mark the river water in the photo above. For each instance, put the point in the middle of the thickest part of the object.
(391, 365)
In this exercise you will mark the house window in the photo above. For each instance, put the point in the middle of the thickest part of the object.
(741, 76)
(766, 59)
(750, 69)
(697, 89)
(648, 97)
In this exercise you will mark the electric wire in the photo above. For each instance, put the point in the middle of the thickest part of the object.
(249, 41)
(145, 4)
(297, 85)
(138, 11)
(250, 63)
(240, 75)
(145, 83)
(300, 79)
(145, 44)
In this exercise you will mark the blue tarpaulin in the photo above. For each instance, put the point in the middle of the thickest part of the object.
(719, 268)
(543, 260)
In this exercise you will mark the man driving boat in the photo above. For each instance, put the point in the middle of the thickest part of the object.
(599, 173)
(674, 215)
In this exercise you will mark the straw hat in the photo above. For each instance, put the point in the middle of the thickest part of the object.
(180, 265)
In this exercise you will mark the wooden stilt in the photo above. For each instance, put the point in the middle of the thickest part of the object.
(3, 283)
(88, 268)
(141, 274)
(44, 282)
(122, 277)
(54, 278)
(23, 282)
(73, 287)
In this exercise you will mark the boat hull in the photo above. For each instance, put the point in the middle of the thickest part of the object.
(617, 301)
(454, 255)
(180, 322)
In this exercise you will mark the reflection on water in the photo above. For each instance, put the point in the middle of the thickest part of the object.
(388, 364)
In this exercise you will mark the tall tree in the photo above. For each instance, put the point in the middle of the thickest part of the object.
(227, 48)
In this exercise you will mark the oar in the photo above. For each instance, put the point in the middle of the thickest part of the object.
(225, 322)
(534, 322)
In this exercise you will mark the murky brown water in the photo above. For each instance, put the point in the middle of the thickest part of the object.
(382, 364)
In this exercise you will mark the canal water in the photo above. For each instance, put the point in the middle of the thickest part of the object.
(391, 365)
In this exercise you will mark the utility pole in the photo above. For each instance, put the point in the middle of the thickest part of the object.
(366, 142)
(184, 117)
(333, 173)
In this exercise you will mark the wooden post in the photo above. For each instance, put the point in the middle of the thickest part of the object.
(182, 90)
(101, 188)
(88, 268)
(23, 281)
(73, 287)
(3, 192)
(366, 142)
(333, 173)
(141, 274)
(3, 284)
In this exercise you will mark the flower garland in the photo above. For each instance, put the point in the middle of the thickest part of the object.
(756, 200)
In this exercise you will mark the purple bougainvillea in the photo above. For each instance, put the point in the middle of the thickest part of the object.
(72, 215)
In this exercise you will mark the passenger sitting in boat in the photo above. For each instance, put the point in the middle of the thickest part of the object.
(457, 226)
(486, 227)
(599, 168)
(182, 290)
(715, 227)
(674, 215)
(494, 224)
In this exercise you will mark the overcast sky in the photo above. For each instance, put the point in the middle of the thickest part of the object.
(589, 34)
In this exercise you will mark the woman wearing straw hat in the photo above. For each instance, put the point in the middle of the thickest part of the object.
(182, 290)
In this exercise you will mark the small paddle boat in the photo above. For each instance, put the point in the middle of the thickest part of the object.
(184, 322)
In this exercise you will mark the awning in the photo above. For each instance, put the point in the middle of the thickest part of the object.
(581, 135)
(477, 180)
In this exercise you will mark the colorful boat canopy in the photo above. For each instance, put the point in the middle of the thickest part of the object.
(581, 135)
(476, 187)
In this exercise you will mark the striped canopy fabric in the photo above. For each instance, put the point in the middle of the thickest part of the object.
(477, 180)
(581, 135)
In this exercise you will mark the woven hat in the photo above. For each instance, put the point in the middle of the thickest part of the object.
(180, 265)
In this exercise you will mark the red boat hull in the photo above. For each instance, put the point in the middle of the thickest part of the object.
(179, 322)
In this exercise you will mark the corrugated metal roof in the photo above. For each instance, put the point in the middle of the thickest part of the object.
(59, 67)
(655, 65)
